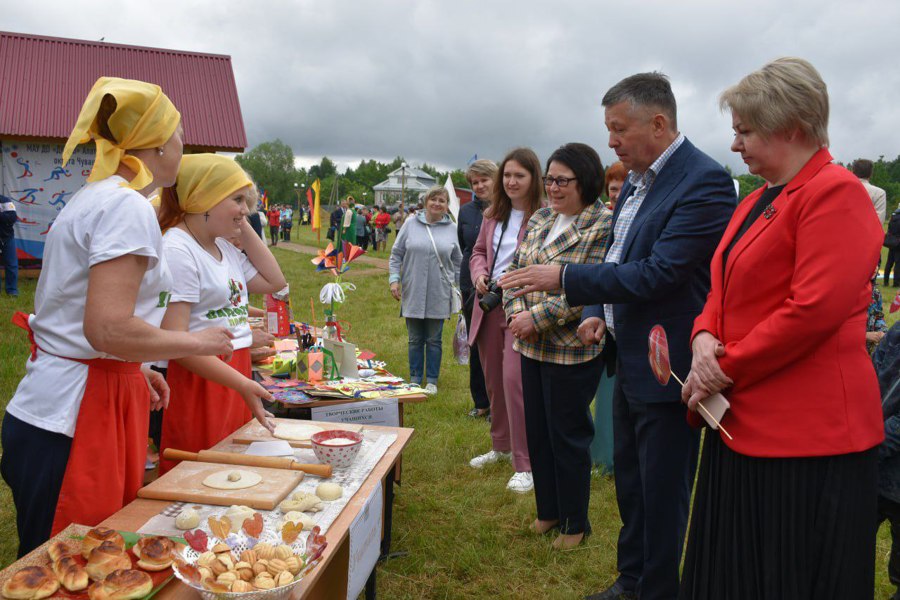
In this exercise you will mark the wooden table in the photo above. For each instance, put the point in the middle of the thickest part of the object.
(329, 579)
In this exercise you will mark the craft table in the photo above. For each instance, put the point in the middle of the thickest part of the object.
(328, 580)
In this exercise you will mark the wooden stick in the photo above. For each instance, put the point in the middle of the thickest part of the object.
(708, 414)
(231, 458)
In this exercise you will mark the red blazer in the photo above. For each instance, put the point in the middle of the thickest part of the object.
(790, 307)
(480, 263)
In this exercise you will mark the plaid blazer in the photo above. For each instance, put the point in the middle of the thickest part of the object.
(557, 322)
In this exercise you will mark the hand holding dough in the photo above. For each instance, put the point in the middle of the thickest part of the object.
(329, 491)
(188, 518)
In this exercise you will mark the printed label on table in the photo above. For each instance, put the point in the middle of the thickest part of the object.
(365, 543)
(370, 412)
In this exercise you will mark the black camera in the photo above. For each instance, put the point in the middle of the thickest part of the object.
(492, 298)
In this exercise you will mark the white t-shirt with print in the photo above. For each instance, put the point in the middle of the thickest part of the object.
(215, 289)
(101, 222)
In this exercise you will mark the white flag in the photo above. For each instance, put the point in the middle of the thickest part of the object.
(454, 200)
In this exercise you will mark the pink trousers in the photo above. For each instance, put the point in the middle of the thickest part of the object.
(502, 368)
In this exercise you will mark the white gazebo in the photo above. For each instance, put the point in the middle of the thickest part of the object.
(415, 181)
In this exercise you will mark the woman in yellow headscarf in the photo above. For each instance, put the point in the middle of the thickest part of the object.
(212, 282)
(75, 432)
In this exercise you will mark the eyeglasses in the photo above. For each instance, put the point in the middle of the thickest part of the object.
(559, 181)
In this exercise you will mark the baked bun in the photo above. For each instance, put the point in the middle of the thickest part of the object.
(106, 558)
(97, 536)
(154, 553)
(123, 584)
(58, 548)
(31, 583)
(70, 574)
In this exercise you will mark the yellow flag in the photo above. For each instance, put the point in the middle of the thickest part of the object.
(316, 219)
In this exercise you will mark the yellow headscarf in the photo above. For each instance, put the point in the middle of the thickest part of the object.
(204, 180)
(144, 118)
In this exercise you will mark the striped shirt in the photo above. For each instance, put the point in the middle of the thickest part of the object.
(641, 184)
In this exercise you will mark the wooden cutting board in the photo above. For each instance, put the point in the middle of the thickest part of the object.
(184, 483)
(254, 432)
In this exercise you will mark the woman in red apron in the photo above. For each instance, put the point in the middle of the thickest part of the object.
(212, 282)
(75, 432)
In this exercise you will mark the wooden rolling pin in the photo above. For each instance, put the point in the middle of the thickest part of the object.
(232, 458)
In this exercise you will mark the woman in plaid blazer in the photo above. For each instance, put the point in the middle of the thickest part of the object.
(559, 373)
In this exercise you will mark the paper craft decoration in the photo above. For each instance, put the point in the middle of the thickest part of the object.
(659, 355)
(310, 366)
(662, 370)
(344, 357)
(895, 305)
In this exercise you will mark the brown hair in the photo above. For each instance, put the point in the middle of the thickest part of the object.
(107, 108)
(502, 204)
(170, 213)
(615, 172)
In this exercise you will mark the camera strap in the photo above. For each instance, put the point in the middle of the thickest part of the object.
(497, 250)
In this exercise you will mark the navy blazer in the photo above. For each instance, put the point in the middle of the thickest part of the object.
(663, 275)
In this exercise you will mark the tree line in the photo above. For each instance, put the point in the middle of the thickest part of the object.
(271, 164)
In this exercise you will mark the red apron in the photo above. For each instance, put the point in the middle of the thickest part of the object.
(109, 450)
(201, 413)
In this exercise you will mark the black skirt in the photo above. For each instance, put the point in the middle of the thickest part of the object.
(781, 528)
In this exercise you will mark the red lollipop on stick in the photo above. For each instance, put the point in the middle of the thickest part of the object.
(662, 370)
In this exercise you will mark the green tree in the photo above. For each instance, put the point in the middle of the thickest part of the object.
(271, 164)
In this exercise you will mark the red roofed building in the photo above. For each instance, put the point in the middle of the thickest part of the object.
(43, 83)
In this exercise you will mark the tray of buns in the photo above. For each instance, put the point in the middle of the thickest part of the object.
(93, 563)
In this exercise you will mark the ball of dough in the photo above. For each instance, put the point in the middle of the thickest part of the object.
(237, 515)
(329, 491)
(298, 517)
(188, 518)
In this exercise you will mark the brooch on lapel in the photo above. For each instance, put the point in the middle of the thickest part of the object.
(769, 212)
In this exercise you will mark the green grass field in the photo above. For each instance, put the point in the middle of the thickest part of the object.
(461, 534)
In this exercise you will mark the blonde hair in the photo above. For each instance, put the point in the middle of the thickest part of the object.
(482, 167)
(436, 191)
(786, 93)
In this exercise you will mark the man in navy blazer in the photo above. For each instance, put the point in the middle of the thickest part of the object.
(670, 216)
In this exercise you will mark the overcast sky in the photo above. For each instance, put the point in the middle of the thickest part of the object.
(438, 82)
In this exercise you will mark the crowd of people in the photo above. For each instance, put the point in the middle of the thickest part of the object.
(556, 286)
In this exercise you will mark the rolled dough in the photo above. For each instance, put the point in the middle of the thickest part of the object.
(297, 432)
(232, 479)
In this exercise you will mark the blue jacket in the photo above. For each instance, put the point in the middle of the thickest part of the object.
(663, 277)
(887, 366)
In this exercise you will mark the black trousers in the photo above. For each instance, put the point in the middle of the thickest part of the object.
(560, 429)
(273, 235)
(476, 374)
(893, 260)
(655, 453)
(888, 510)
(33, 465)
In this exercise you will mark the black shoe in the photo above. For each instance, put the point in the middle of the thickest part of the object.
(614, 592)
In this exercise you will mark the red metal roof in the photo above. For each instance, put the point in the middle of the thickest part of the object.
(44, 80)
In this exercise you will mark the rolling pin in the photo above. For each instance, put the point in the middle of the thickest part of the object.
(232, 458)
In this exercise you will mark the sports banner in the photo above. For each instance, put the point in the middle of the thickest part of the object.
(34, 179)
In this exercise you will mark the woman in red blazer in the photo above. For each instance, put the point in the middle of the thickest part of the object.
(786, 509)
(518, 193)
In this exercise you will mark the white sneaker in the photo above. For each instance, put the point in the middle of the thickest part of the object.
(521, 483)
(489, 458)
(431, 389)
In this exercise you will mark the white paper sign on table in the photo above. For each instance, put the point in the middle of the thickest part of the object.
(365, 542)
(369, 412)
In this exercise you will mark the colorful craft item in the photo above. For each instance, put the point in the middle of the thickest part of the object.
(351, 253)
(659, 355)
(895, 305)
(327, 260)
